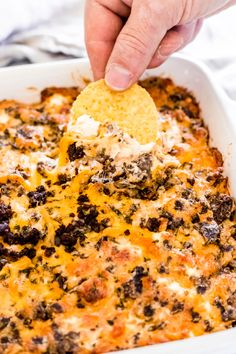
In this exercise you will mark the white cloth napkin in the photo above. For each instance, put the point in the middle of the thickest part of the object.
(40, 30)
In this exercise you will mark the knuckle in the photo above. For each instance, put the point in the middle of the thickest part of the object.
(150, 11)
(94, 48)
(187, 6)
(147, 4)
(90, 46)
(131, 39)
(158, 8)
(167, 12)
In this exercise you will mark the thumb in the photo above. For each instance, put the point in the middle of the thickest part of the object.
(137, 43)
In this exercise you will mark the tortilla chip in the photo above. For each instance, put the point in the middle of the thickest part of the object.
(133, 110)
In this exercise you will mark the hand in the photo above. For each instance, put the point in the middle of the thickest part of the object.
(124, 37)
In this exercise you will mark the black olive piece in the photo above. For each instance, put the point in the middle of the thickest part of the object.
(202, 284)
(38, 197)
(83, 198)
(157, 327)
(4, 228)
(37, 340)
(42, 312)
(153, 224)
(134, 286)
(179, 205)
(75, 152)
(188, 112)
(80, 305)
(208, 326)
(61, 281)
(56, 307)
(4, 322)
(148, 311)
(5, 212)
(177, 307)
(49, 251)
(176, 97)
(196, 318)
(221, 206)
(162, 269)
(69, 235)
(204, 209)
(100, 242)
(62, 178)
(191, 181)
(195, 219)
(186, 193)
(175, 224)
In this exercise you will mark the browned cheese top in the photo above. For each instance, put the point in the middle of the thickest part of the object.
(106, 244)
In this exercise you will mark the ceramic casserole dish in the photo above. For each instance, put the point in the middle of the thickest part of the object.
(24, 83)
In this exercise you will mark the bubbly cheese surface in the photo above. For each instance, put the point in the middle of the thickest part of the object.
(107, 244)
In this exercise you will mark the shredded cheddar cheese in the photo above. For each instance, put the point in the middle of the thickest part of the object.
(106, 243)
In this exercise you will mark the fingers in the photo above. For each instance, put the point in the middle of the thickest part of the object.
(154, 30)
(102, 27)
(137, 43)
(174, 40)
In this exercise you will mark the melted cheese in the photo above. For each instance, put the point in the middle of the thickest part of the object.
(108, 244)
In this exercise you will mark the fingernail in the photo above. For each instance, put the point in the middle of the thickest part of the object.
(118, 78)
(165, 50)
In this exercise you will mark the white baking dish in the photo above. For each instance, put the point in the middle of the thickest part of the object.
(25, 82)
